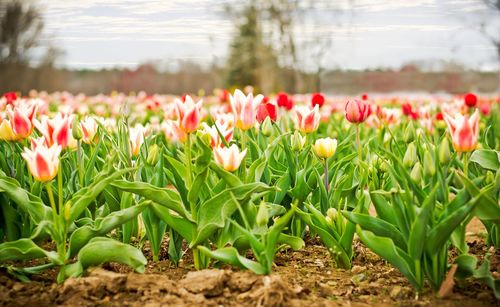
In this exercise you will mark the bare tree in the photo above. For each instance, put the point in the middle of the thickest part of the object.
(494, 38)
(21, 26)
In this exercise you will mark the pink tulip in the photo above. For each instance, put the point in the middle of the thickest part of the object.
(188, 113)
(21, 118)
(356, 111)
(173, 131)
(464, 131)
(307, 119)
(43, 161)
(56, 130)
(229, 158)
(245, 109)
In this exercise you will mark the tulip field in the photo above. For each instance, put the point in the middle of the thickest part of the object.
(243, 199)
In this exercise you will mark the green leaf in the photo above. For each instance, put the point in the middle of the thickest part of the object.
(26, 201)
(230, 179)
(486, 158)
(383, 207)
(385, 248)
(181, 225)
(418, 232)
(230, 255)
(161, 196)
(198, 184)
(85, 196)
(214, 212)
(438, 236)
(24, 249)
(294, 242)
(104, 250)
(377, 226)
(101, 227)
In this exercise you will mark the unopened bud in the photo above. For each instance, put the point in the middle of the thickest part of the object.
(332, 213)
(76, 129)
(444, 152)
(204, 137)
(67, 211)
(410, 157)
(409, 135)
(489, 177)
(297, 141)
(153, 154)
(429, 165)
(267, 127)
(262, 217)
(416, 172)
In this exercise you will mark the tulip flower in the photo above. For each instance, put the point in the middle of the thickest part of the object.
(245, 109)
(216, 140)
(10, 97)
(89, 128)
(43, 161)
(356, 111)
(307, 119)
(266, 110)
(229, 158)
(21, 118)
(325, 147)
(317, 99)
(136, 135)
(297, 141)
(6, 132)
(188, 113)
(284, 101)
(56, 130)
(470, 100)
(173, 131)
(464, 131)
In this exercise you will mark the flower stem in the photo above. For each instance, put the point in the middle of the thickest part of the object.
(80, 162)
(326, 175)
(466, 164)
(60, 188)
(48, 186)
(358, 145)
(188, 161)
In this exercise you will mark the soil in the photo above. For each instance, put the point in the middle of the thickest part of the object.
(300, 278)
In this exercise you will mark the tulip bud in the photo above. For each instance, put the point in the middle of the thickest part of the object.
(429, 166)
(205, 137)
(76, 130)
(325, 148)
(332, 213)
(384, 168)
(153, 154)
(297, 141)
(444, 152)
(329, 220)
(410, 157)
(409, 135)
(67, 211)
(267, 127)
(489, 177)
(262, 217)
(416, 172)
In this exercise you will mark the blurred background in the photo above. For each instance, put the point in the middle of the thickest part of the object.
(297, 46)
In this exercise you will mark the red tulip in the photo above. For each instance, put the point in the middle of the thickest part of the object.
(464, 131)
(356, 111)
(470, 100)
(266, 110)
(284, 101)
(364, 97)
(439, 116)
(317, 99)
(10, 97)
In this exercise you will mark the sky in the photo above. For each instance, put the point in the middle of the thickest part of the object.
(363, 33)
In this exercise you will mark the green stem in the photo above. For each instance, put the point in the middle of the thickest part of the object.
(48, 186)
(326, 175)
(80, 162)
(188, 161)
(243, 146)
(466, 164)
(358, 145)
(60, 188)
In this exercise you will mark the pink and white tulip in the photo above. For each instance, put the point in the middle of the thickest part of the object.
(464, 131)
(229, 157)
(43, 160)
(245, 109)
(188, 113)
(356, 111)
(307, 119)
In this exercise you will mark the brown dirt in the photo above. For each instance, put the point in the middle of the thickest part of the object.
(305, 277)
